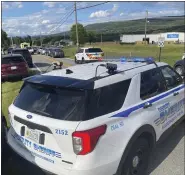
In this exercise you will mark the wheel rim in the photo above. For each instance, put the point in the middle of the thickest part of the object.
(179, 70)
(138, 162)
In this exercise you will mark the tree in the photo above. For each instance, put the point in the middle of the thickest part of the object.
(91, 37)
(81, 33)
(5, 41)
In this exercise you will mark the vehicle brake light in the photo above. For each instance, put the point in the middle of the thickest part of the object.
(84, 142)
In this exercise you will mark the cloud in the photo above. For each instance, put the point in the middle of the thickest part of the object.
(50, 4)
(104, 13)
(121, 14)
(115, 7)
(45, 21)
(17, 4)
(100, 14)
(5, 6)
(11, 5)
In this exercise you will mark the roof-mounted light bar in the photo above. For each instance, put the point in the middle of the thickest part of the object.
(137, 59)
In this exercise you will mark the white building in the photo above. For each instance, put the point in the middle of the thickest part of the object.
(153, 38)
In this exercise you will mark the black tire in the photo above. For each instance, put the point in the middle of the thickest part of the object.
(137, 160)
(180, 70)
(82, 61)
(76, 61)
(5, 150)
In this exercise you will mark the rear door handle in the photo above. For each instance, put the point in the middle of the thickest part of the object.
(176, 93)
(147, 105)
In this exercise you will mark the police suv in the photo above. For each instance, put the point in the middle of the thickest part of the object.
(88, 55)
(100, 118)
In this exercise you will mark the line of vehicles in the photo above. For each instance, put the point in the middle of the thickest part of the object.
(54, 52)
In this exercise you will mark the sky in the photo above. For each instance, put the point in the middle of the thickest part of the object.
(34, 18)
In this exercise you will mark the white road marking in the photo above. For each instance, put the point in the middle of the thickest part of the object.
(37, 68)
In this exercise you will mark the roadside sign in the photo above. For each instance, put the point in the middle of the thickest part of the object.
(161, 41)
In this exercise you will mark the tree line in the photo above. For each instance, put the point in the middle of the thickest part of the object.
(85, 36)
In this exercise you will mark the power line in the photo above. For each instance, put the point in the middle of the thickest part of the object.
(92, 5)
(54, 28)
(62, 22)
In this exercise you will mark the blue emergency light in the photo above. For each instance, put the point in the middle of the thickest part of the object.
(137, 59)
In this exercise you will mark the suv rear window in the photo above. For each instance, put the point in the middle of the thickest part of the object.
(15, 59)
(24, 53)
(92, 50)
(48, 101)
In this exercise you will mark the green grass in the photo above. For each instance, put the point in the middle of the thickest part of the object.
(170, 53)
(8, 94)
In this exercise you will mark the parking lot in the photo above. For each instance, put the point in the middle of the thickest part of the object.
(167, 159)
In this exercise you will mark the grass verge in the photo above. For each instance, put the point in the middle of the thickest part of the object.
(170, 53)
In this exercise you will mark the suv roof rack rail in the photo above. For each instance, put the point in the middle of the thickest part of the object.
(112, 67)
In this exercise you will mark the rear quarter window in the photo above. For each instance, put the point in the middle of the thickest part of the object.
(107, 99)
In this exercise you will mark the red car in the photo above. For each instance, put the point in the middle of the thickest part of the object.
(13, 66)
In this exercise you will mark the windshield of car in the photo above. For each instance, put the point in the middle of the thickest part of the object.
(92, 50)
(57, 103)
(15, 59)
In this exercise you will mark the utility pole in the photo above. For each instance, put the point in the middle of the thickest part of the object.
(12, 41)
(101, 38)
(40, 40)
(77, 40)
(146, 20)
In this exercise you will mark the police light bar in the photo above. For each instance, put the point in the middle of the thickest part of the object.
(137, 59)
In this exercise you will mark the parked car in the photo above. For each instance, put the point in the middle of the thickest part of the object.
(30, 49)
(26, 54)
(88, 54)
(43, 51)
(82, 121)
(35, 49)
(56, 53)
(13, 66)
(10, 50)
(179, 66)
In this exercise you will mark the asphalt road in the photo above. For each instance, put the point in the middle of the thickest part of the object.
(42, 62)
(168, 158)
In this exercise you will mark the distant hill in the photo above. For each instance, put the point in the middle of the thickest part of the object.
(155, 25)
(111, 31)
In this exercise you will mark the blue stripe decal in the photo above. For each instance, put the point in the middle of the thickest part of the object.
(127, 112)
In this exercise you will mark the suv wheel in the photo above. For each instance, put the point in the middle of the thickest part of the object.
(179, 70)
(82, 61)
(136, 162)
(76, 61)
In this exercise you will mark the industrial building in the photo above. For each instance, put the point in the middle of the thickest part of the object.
(153, 38)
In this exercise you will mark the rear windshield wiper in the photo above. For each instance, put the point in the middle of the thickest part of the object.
(42, 113)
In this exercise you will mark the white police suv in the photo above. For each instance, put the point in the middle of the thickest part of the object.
(88, 54)
(100, 118)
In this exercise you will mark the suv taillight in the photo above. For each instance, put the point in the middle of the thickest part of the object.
(84, 142)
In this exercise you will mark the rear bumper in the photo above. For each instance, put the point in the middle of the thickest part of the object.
(53, 168)
(10, 76)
